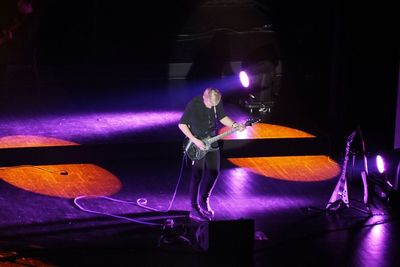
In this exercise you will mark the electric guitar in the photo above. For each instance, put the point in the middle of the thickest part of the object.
(340, 194)
(195, 153)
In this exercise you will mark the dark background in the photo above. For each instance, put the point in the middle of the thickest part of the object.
(340, 60)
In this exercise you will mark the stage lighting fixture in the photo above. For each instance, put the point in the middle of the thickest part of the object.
(392, 183)
(244, 79)
(379, 175)
(253, 100)
(385, 177)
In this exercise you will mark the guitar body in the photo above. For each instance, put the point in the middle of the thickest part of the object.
(193, 152)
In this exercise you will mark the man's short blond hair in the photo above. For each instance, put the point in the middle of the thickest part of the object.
(213, 94)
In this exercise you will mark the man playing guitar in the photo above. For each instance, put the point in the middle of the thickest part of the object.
(199, 121)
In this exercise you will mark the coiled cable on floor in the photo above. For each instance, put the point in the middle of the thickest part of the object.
(141, 202)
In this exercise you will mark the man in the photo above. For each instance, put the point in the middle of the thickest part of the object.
(199, 121)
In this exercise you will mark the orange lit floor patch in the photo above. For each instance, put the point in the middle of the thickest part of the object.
(82, 179)
(61, 180)
(32, 141)
(291, 168)
(265, 130)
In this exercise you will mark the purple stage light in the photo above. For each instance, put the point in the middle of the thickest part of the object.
(380, 164)
(84, 127)
(244, 79)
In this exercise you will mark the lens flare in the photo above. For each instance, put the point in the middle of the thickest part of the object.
(244, 79)
(380, 164)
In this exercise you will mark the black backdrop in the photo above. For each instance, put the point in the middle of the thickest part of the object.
(340, 59)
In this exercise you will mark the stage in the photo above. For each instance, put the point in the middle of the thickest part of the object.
(94, 187)
(92, 169)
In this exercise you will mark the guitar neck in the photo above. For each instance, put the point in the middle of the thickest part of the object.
(217, 137)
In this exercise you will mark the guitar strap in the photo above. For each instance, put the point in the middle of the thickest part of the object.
(214, 132)
(215, 112)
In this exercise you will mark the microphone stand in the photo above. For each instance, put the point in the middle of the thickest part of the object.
(365, 172)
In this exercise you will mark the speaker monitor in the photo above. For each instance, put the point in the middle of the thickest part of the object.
(228, 239)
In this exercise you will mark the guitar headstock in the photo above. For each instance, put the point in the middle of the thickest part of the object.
(251, 121)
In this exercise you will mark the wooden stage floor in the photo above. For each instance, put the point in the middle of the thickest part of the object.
(111, 189)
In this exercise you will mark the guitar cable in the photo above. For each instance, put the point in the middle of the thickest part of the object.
(140, 202)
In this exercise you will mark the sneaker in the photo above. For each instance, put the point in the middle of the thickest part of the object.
(205, 208)
(196, 215)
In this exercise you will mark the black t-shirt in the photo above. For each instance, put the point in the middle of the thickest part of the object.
(201, 120)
